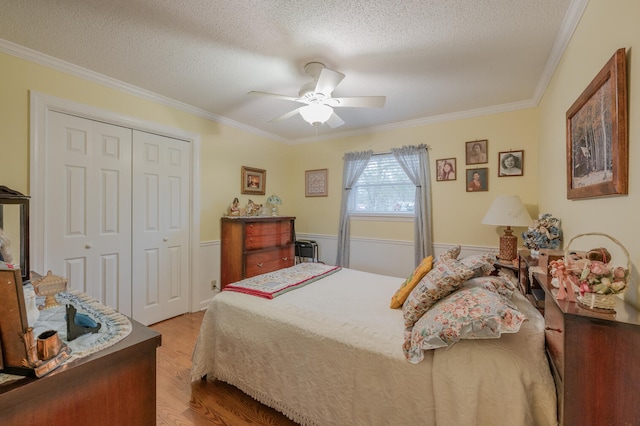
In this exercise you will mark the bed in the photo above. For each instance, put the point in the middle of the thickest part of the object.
(330, 352)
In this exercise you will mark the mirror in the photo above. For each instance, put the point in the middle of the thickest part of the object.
(14, 222)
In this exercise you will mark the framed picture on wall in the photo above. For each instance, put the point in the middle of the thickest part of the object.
(446, 169)
(315, 183)
(476, 152)
(253, 181)
(510, 163)
(597, 145)
(478, 179)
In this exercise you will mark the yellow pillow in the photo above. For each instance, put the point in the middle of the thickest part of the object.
(403, 292)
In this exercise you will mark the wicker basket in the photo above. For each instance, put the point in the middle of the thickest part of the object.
(598, 301)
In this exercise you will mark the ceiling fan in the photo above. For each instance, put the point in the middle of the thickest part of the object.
(316, 96)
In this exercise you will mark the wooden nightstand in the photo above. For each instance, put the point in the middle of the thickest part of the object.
(529, 287)
(511, 266)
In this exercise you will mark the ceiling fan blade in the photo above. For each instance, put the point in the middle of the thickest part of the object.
(334, 121)
(274, 95)
(287, 115)
(358, 102)
(327, 81)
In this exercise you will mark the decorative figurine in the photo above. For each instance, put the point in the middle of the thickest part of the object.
(253, 208)
(234, 208)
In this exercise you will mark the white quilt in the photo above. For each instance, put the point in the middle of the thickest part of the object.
(330, 353)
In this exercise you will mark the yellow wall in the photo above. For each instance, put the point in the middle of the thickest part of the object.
(540, 132)
(456, 213)
(605, 27)
(224, 149)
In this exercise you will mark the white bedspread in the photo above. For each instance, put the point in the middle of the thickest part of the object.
(330, 353)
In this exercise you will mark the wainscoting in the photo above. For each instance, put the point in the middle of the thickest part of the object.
(387, 257)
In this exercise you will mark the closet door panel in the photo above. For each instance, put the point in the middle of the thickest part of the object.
(88, 196)
(161, 225)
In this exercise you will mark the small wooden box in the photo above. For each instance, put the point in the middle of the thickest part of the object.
(546, 257)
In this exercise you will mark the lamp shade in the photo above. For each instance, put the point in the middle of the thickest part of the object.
(507, 210)
(316, 114)
(274, 199)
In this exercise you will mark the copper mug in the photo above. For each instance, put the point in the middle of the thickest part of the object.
(49, 344)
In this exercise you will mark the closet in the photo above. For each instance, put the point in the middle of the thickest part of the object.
(117, 215)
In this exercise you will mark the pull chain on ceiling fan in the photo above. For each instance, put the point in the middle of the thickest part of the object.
(316, 96)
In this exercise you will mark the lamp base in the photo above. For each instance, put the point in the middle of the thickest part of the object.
(508, 246)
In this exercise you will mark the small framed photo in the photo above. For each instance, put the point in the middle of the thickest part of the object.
(476, 152)
(253, 181)
(446, 169)
(478, 179)
(510, 163)
(316, 182)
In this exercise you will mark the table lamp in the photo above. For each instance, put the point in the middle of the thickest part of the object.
(274, 200)
(507, 210)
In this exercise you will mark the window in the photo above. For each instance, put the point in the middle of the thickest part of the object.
(383, 188)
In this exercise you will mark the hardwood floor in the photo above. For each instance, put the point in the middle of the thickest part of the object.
(180, 402)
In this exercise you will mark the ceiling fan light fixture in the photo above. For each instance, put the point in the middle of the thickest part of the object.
(316, 114)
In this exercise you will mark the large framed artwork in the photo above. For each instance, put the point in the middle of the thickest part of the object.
(253, 181)
(597, 146)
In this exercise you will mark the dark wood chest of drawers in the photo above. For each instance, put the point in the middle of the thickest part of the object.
(255, 245)
(594, 359)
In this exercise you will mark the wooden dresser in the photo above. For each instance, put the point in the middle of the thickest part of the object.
(255, 245)
(114, 386)
(594, 360)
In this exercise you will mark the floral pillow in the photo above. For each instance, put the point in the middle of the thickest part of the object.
(501, 285)
(481, 264)
(451, 253)
(470, 313)
(401, 294)
(445, 277)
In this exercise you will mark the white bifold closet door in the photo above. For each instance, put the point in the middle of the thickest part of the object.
(117, 215)
(160, 227)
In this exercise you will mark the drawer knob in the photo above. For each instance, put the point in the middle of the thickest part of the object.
(285, 258)
(260, 265)
(553, 329)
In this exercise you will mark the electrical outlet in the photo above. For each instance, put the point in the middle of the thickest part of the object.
(214, 284)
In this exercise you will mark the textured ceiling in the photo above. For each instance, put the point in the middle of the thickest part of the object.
(432, 59)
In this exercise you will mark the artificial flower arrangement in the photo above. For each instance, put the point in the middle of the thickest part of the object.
(592, 275)
(544, 233)
(595, 276)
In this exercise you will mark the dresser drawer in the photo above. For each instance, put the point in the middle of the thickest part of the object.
(269, 260)
(554, 334)
(258, 242)
(253, 229)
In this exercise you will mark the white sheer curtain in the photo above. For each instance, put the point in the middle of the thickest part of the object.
(414, 160)
(354, 165)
